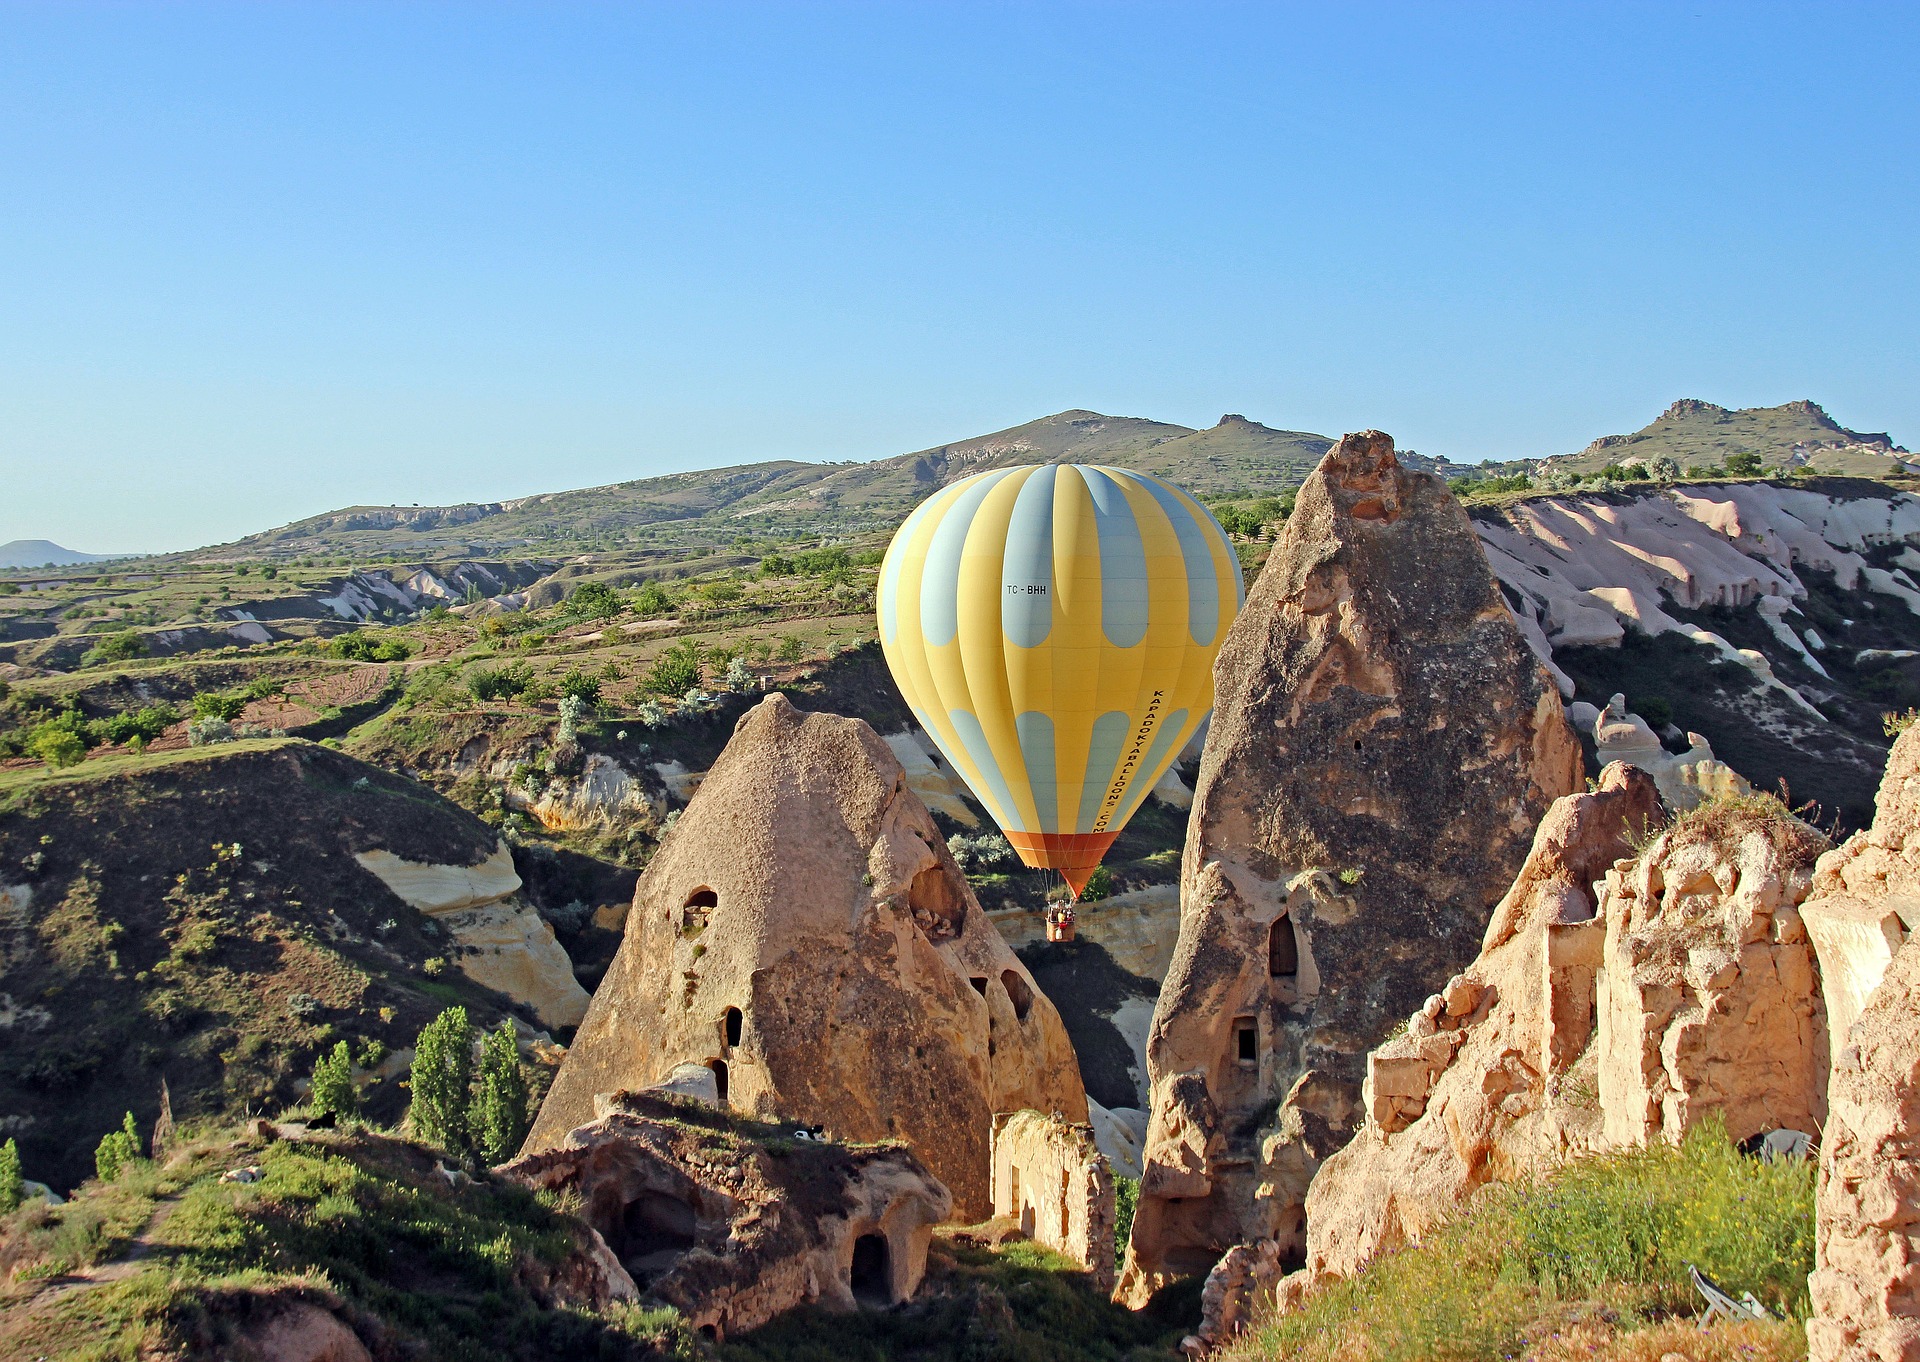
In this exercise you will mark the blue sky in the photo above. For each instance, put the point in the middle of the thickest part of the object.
(263, 260)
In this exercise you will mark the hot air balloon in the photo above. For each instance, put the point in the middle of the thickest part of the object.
(1053, 628)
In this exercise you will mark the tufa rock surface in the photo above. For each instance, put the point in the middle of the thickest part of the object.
(1051, 1179)
(1865, 1290)
(1383, 744)
(1480, 1087)
(804, 933)
(1866, 893)
(732, 1222)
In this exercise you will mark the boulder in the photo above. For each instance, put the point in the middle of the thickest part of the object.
(804, 933)
(1383, 744)
(732, 1221)
(1483, 1084)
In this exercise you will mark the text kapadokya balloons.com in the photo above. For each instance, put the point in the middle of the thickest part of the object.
(1054, 630)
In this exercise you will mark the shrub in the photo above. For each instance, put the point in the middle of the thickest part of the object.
(207, 732)
(57, 746)
(675, 671)
(12, 1183)
(1657, 710)
(1893, 725)
(1099, 885)
(500, 1106)
(574, 710)
(499, 683)
(213, 705)
(652, 714)
(776, 565)
(792, 648)
(581, 686)
(984, 852)
(333, 1090)
(442, 1077)
(1126, 1198)
(1744, 464)
(143, 724)
(594, 600)
(365, 645)
(120, 647)
(117, 1149)
(652, 600)
(739, 676)
(723, 591)
(269, 572)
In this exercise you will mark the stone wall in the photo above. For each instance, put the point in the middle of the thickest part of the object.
(1049, 1176)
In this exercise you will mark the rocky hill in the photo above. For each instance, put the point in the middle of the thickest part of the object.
(1693, 433)
(35, 553)
(787, 497)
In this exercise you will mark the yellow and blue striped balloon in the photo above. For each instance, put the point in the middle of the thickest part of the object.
(1053, 628)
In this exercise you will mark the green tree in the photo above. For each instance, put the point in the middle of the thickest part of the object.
(500, 1105)
(58, 746)
(652, 600)
(118, 647)
(583, 685)
(792, 648)
(594, 600)
(1099, 885)
(117, 1149)
(1743, 464)
(333, 1089)
(676, 671)
(12, 1183)
(442, 1080)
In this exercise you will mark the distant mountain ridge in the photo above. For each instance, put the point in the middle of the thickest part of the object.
(1235, 457)
(33, 553)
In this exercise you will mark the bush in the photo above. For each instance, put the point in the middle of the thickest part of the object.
(594, 600)
(145, 724)
(1657, 710)
(207, 732)
(985, 852)
(1126, 1198)
(333, 1090)
(722, 592)
(822, 562)
(652, 714)
(12, 1182)
(269, 572)
(213, 705)
(57, 746)
(120, 647)
(792, 648)
(739, 677)
(499, 683)
(1744, 464)
(442, 1077)
(776, 565)
(366, 645)
(573, 712)
(500, 1106)
(581, 686)
(675, 671)
(652, 600)
(117, 1149)
(1099, 885)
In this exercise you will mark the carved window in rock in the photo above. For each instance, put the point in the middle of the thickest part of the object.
(1019, 993)
(1246, 1041)
(1283, 950)
(979, 983)
(733, 1023)
(698, 911)
(938, 905)
(719, 1067)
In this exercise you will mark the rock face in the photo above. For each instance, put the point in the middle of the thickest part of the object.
(1617, 1001)
(1480, 1087)
(1866, 894)
(1866, 1298)
(503, 943)
(1685, 779)
(1710, 1000)
(1049, 1176)
(804, 933)
(1383, 744)
(732, 1224)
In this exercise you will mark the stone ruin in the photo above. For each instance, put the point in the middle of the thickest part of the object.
(1051, 1179)
(1383, 744)
(733, 1221)
(805, 935)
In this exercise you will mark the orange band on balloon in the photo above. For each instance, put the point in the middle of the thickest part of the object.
(1074, 854)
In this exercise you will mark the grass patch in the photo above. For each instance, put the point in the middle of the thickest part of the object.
(1598, 1252)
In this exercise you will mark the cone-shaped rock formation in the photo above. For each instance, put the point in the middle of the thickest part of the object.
(1383, 745)
(804, 932)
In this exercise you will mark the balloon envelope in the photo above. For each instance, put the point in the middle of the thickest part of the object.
(1054, 630)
